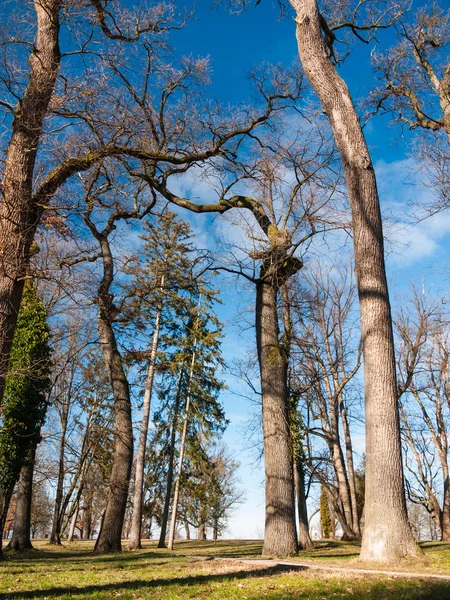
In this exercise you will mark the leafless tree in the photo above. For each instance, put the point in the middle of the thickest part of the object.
(286, 192)
(414, 88)
(387, 535)
(423, 364)
(326, 357)
(82, 101)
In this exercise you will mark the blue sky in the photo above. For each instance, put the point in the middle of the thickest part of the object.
(235, 43)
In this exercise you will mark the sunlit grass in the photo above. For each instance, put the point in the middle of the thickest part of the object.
(74, 572)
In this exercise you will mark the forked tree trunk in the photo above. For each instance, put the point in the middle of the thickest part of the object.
(280, 536)
(304, 539)
(136, 518)
(21, 538)
(387, 534)
(19, 216)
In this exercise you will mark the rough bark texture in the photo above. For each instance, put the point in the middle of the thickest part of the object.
(21, 538)
(109, 539)
(280, 537)
(136, 518)
(19, 215)
(387, 534)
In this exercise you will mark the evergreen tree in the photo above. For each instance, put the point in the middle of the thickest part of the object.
(25, 402)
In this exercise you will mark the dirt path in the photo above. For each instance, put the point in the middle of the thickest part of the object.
(322, 567)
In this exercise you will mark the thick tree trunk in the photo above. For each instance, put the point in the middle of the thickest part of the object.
(201, 533)
(387, 534)
(136, 518)
(280, 537)
(109, 539)
(304, 539)
(19, 216)
(21, 538)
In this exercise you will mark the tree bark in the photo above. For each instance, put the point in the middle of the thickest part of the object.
(55, 536)
(136, 518)
(201, 533)
(19, 215)
(173, 521)
(280, 537)
(187, 531)
(350, 468)
(109, 539)
(73, 523)
(304, 539)
(21, 538)
(165, 517)
(387, 534)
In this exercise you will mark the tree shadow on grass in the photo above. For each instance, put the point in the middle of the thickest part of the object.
(377, 590)
(142, 583)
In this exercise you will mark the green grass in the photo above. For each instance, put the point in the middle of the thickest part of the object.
(73, 572)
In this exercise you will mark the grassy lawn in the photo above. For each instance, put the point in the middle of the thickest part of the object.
(73, 572)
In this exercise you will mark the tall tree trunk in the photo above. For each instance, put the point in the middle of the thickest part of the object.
(19, 216)
(341, 473)
(350, 468)
(55, 536)
(387, 534)
(73, 523)
(304, 539)
(173, 521)
(21, 538)
(173, 433)
(445, 520)
(280, 537)
(136, 518)
(109, 539)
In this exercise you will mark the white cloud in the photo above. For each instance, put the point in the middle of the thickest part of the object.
(401, 192)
